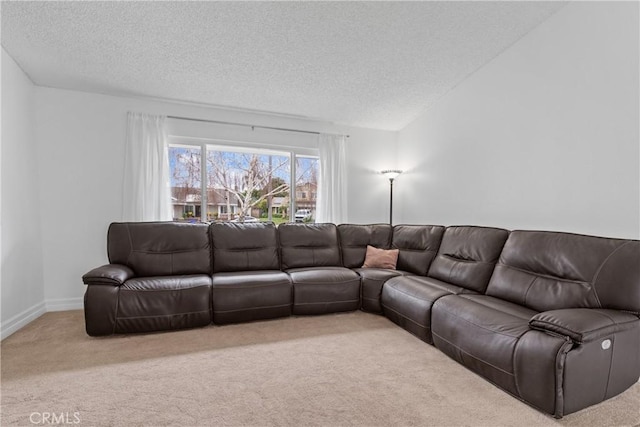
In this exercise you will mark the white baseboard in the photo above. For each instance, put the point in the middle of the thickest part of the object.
(21, 320)
(64, 304)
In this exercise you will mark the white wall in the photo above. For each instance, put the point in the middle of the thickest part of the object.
(81, 140)
(22, 286)
(368, 153)
(543, 137)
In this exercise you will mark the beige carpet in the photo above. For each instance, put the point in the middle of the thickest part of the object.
(346, 369)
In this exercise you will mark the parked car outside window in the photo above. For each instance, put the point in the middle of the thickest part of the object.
(302, 215)
(246, 219)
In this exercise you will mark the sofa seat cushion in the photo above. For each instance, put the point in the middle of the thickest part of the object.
(371, 287)
(481, 332)
(407, 301)
(251, 295)
(319, 290)
(160, 303)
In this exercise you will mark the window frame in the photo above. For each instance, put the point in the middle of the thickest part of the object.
(212, 144)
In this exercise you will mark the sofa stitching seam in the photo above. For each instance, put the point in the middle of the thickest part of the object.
(115, 319)
(171, 252)
(597, 273)
(163, 315)
(324, 302)
(485, 328)
(467, 261)
(324, 283)
(413, 296)
(611, 359)
(130, 245)
(524, 299)
(252, 308)
(164, 290)
(545, 276)
(513, 363)
(471, 355)
(481, 302)
(405, 317)
(222, 287)
(560, 360)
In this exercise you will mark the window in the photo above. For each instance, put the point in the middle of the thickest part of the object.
(186, 188)
(307, 169)
(237, 183)
(244, 184)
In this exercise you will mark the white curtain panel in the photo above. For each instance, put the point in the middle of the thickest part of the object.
(332, 194)
(146, 193)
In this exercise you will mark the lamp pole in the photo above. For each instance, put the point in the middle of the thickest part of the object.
(390, 201)
(392, 174)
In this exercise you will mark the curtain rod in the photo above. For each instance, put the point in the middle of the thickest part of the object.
(245, 125)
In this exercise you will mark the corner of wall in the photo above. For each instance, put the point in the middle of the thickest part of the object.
(21, 320)
(21, 269)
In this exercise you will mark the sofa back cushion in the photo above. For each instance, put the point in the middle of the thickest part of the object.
(354, 240)
(547, 271)
(160, 248)
(244, 246)
(467, 256)
(418, 246)
(309, 245)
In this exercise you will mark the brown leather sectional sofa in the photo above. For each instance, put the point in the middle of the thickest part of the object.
(551, 318)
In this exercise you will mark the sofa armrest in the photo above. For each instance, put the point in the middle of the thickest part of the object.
(584, 324)
(110, 274)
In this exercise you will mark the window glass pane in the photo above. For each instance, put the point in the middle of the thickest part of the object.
(244, 186)
(186, 188)
(306, 188)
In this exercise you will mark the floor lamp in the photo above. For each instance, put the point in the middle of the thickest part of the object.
(391, 174)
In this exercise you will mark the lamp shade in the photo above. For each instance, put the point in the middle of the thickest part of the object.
(391, 173)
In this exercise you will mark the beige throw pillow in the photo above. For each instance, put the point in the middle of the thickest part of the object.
(381, 258)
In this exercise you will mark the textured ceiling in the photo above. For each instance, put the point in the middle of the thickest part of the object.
(369, 64)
